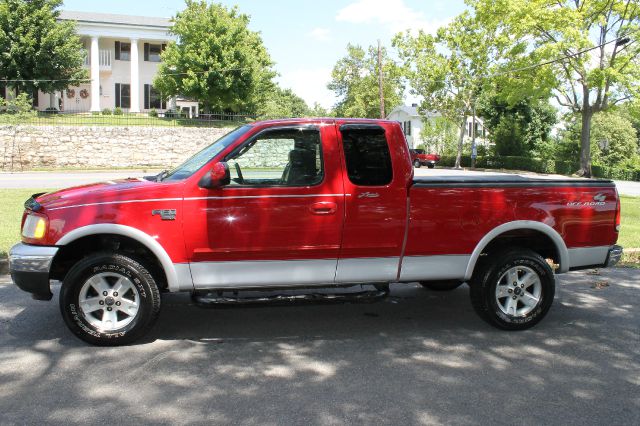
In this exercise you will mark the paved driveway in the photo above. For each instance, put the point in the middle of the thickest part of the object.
(419, 357)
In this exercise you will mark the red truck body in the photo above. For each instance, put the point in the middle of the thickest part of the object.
(202, 237)
(420, 158)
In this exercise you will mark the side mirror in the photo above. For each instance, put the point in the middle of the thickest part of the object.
(218, 177)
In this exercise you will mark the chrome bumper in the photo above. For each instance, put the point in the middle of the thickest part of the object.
(615, 253)
(29, 267)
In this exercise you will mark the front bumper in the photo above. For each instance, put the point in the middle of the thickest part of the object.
(29, 267)
(615, 253)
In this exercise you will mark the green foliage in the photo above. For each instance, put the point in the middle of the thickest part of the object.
(107, 111)
(440, 135)
(319, 111)
(281, 103)
(614, 140)
(35, 46)
(117, 111)
(541, 31)
(520, 129)
(153, 113)
(16, 110)
(217, 60)
(448, 70)
(355, 82)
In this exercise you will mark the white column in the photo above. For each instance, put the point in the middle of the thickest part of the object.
(95, 74)
(135, 77)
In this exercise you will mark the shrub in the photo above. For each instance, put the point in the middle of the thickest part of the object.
(106, 111)
(153, 113)
(117, 111)
(95, 112)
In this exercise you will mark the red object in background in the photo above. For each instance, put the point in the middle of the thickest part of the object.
(420, 158)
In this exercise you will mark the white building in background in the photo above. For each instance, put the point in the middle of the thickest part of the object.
(413, 123)
(123, 55)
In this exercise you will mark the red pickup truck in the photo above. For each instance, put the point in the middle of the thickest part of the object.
(420, 158)
(303, 204)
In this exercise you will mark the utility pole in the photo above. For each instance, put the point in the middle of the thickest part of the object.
(474, 150)
(382, 115)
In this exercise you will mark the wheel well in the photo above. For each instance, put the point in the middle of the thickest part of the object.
(526, 238)
(71, 253)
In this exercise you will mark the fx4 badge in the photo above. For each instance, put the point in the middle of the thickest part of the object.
(168, 214)
(598, 200)
(368, 195)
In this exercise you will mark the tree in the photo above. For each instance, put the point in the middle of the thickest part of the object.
(447, 70)
(440, 135)
(283, 103)
(38, 52)
(522, 129)
(614, 140)
(590, 51)
(217, 60)
(355, 82)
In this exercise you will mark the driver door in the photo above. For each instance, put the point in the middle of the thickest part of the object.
(279, 221)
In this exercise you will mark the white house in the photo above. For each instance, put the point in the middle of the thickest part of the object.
(123, 54)
(413, 123)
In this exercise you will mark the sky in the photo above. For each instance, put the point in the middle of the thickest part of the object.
(305, 39)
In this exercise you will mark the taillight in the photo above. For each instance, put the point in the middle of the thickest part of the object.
(617, 213)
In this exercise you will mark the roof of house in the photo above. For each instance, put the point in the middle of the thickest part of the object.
(110, 18)
(413, 111)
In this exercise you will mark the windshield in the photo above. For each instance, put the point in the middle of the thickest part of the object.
(196, 162)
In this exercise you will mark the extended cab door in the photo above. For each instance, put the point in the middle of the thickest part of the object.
(280, 220)
(376, 176)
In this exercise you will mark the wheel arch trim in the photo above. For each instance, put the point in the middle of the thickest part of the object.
(545, 229)
(141, 237)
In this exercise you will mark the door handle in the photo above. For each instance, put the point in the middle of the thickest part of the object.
(323, 207)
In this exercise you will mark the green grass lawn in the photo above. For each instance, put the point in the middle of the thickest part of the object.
(11, 208)
(117, 120)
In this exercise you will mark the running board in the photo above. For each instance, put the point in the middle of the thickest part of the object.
(227, 298)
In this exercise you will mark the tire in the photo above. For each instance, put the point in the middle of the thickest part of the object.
(441, 285)
(431, 165)
(416, 164)
(492, 290)
(120, 292)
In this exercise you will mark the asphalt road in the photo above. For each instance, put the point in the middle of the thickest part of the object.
(418, 357)
(66, 179)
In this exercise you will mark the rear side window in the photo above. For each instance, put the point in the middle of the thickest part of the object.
(367, 155)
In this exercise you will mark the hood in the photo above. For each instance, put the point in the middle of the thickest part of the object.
(114, 190)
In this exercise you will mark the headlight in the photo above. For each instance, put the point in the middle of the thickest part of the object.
(34, 227)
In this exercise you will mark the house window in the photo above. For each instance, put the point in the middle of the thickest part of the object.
(470, 131)
(152, 52)
(123, 95)
(408, 131)
(153, 98)
(123, 51)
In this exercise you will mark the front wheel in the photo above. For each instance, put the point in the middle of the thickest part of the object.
(431, 165)
(108, 299)
(514, 289)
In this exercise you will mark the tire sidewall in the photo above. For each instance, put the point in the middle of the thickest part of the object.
(81, 272)
(547, 281)
(416, 164)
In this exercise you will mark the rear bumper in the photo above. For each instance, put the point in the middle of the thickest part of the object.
(615, 253)
(29, 267)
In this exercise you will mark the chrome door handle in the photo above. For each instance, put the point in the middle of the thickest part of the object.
(323, 208)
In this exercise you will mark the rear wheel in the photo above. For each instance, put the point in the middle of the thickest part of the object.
(513, 289)
(416, 164)
(431, 165)
(108, 299)
(441, 285)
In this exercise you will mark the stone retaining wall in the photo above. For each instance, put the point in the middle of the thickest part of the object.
(29, 147)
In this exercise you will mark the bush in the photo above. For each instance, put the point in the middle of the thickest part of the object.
(117, 111)
(153, 113)
(95, 112)
(106, 111)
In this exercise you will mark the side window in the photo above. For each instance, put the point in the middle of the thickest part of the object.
(367, 155)
(279, 157)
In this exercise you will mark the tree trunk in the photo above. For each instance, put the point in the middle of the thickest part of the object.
(585, 143)
(463, 127)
